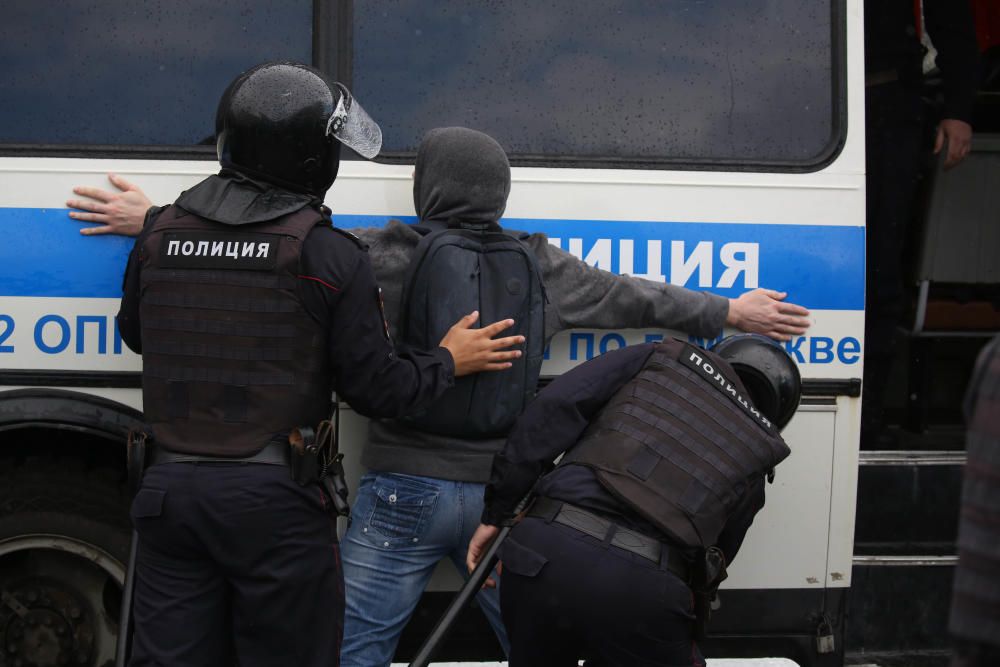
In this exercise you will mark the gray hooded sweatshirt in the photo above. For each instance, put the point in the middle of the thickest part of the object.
(464, 175)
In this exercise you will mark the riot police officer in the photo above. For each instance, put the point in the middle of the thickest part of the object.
(250, 309)
(621, 551)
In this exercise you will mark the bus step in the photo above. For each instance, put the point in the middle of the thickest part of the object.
(899, 607)
(908, 503)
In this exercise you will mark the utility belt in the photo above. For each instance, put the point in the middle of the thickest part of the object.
(310, 455)
(606, 530)
(275, 453)
(703, 576)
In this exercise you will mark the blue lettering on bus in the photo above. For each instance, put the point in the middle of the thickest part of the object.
(608, 339)
(824, 350)
(849, 350)
(574, 346)
(117, 343)
(102, 332)
(7, 324)
(53, 334)
(63, 329)
(792, 348)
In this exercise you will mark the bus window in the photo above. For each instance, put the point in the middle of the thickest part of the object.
(93, 72)
(735, 82)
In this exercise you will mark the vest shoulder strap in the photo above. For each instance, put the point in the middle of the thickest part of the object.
(298, 224)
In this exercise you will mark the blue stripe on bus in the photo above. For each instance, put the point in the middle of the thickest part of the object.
(44, 255)
(820, 266)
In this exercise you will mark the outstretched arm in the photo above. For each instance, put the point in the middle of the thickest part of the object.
(583, 296)
(119, 212)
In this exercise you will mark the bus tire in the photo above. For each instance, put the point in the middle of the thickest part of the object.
(64, 545)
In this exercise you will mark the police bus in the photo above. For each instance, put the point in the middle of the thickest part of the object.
(716, 145)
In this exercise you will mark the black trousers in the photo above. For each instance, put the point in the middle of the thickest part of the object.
(895, 149)
(566, 595)
(235, 563)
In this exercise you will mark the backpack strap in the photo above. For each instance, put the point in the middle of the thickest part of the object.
(430, 230)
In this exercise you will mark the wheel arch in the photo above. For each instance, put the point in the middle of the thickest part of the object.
(65, 410)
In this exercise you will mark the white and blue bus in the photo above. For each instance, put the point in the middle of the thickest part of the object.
(716, 145)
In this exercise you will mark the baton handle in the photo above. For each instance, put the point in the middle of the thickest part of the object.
(123, 645)
(466, 593)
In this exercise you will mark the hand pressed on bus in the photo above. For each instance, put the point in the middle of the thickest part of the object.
(118, 212)
(475, 350)
(764, 311)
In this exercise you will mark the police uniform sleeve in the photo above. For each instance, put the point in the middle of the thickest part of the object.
(338, 288)
(129, 325)
(553, 423)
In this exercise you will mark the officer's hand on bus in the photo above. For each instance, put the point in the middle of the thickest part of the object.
(117, 212)
(480, 542)
(764, 311)
(957, 135)
(475, 350)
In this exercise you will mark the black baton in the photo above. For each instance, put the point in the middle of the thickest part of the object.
(466, 593)
(123, 647)
(135, 457)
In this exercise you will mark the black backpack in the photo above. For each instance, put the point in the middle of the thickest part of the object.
(453, 272)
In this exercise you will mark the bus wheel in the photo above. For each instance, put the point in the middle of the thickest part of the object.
(64, 544)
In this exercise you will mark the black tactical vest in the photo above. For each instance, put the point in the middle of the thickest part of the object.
(230, 356)
(679, 443)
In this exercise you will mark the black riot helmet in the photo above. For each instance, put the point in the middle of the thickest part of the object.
(768, 373)
(284, 123)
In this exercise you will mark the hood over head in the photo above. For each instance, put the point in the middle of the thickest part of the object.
(461, 176)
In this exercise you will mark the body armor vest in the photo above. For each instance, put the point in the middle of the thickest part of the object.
(680, 442)
(230, 356)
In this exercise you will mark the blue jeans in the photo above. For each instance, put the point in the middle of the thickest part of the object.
(401, 526)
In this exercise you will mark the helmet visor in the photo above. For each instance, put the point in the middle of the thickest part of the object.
(351, 125)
